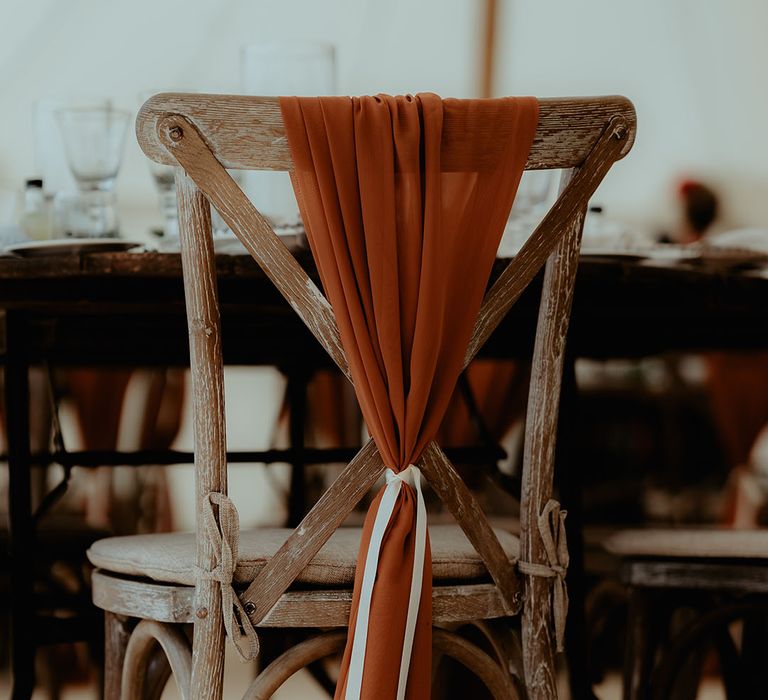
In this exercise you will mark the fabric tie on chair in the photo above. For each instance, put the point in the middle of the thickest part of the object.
(224, 539)
(551, 524)
(404, 200)
(412, 477)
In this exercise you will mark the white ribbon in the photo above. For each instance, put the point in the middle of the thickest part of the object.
(411, 476)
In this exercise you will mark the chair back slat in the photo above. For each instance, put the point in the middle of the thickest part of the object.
(512, 282)
(247, 133)
(183, 139)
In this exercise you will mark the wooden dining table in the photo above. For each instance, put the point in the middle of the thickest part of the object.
(127, 310)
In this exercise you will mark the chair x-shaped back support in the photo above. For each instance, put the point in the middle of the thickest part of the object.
(205, 134)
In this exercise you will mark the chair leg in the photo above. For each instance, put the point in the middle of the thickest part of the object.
(538, 641)
(140, 652)
(296, 658)
(637, 653)
(208, 645)
(158, 673)
(500, 637)
(495, 677)
(117, 632)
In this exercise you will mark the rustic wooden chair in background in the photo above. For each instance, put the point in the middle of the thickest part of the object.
(151, 586)
(692, 591)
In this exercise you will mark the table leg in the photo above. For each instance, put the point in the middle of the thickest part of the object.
(638, 651)
(21, 527)
(297, 401)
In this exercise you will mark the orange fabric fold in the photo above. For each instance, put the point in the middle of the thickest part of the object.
(404, 200)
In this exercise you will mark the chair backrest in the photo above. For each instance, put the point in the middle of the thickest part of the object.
(205, 134)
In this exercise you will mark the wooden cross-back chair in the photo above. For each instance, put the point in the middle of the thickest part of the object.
(205, 135)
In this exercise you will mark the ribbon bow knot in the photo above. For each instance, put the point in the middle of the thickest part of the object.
(551, 526)
(224, 537)
(410, 476)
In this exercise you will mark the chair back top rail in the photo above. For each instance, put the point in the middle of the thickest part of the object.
(247, 133)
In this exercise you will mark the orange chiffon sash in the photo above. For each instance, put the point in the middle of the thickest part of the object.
(404, 200)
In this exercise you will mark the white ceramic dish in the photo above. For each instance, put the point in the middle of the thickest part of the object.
(64, 246)
(606, 252)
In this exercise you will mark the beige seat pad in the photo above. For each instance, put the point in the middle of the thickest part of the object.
(171, 557)
(690, 543)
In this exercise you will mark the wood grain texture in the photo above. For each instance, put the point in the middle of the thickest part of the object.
(247, 133)
(141, 648)
(207, 373)
(255, 234)
(158, 674)
(117, 632)
(732, 577)
(142, 599)
(507, 289)
(313, 531)
(452, 490)
(314, 608)
(296, 658)
(539, 454)
(495, 678)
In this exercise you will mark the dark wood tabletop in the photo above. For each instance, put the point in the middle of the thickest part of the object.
(128, 308)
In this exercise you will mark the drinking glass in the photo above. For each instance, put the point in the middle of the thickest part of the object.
(535, 194)
(93, 142)
(50, 156)
(164, 177)
(284, 68)
(165, 183)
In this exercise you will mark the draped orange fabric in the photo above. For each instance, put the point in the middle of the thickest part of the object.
(404, 200)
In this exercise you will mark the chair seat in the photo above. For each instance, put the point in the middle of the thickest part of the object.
(701, 543)
(170, 558)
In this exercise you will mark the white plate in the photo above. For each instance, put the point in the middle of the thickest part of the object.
(672, 253)
(745, 238)
(609, 252)
(63, 246)
(724, 257)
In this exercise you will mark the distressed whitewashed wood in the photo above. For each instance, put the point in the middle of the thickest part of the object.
(247, 133)
(313, 532)
(539, 456)
(540, 244)
(142, 599)
(207, 372)
(117, 632)
(159, 672)
(144, 639)
(697, 575)
(691, 543)
(296, 658)
(488, 670)
(255, 233)
(448, 485)
(313, 608)
(495, 678)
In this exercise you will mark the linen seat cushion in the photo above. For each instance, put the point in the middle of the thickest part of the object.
(170, 558)
(693, 543)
